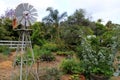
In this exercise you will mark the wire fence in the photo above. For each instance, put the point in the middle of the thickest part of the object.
(14, 44)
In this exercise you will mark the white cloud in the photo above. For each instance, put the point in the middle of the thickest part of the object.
(105, 9)
(2, 7)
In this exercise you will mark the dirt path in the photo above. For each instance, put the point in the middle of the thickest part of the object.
(5, 70)
(6, 66)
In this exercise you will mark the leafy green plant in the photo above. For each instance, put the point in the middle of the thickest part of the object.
(46, 55)
(50, 46)
(27, 57)
(5, 50)
(75, 77)
(97, 60)
(66, 53)
(43, 54)
(70, 66)
(107, 38)
(37, 51)
(103, 57)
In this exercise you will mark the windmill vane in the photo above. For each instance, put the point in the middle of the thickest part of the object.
(25, 12)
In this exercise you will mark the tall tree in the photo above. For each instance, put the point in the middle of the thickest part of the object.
(79, 18)
(37, 34)
(109, 24)
(6, 31)
(54, 19)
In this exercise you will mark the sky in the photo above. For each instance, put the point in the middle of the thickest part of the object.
(95, 9)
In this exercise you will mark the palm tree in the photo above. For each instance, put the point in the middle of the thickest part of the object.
(54, 19)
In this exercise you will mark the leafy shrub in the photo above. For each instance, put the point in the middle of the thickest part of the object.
(5, 50)
(65, 53)
(50, 46)
(46, 55)
(75, 77)
(36, 50)
(70, 66)
(97, 59)
(107, 38)
(62, 46)
(43, 54)
(28, 57)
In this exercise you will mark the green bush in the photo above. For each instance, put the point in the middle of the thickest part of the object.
(37, 51)
(50, 46)
(97, 59)
(28, 55)
(70, 66)
(46, 55)
(5, 50)
(75, 77)
(66, 53)
(62, 46)
(43, 54)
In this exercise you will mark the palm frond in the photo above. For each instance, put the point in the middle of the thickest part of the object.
(47, 19)
(50, 9)
(63, 15)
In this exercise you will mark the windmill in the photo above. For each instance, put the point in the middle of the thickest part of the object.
(25, 15)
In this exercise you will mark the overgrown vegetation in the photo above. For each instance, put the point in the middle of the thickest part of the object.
(71, 66)
(5, 50)
(94, 44)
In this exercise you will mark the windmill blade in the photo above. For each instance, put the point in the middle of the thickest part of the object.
(33, 10)
(34, 14)
(19, 10)
(19, 19)
(26, 6)
(32, 19)
(20, 7)
(26, 14)
(30, 7)
(23, 21)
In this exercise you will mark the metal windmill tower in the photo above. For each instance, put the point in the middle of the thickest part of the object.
(25, 15)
